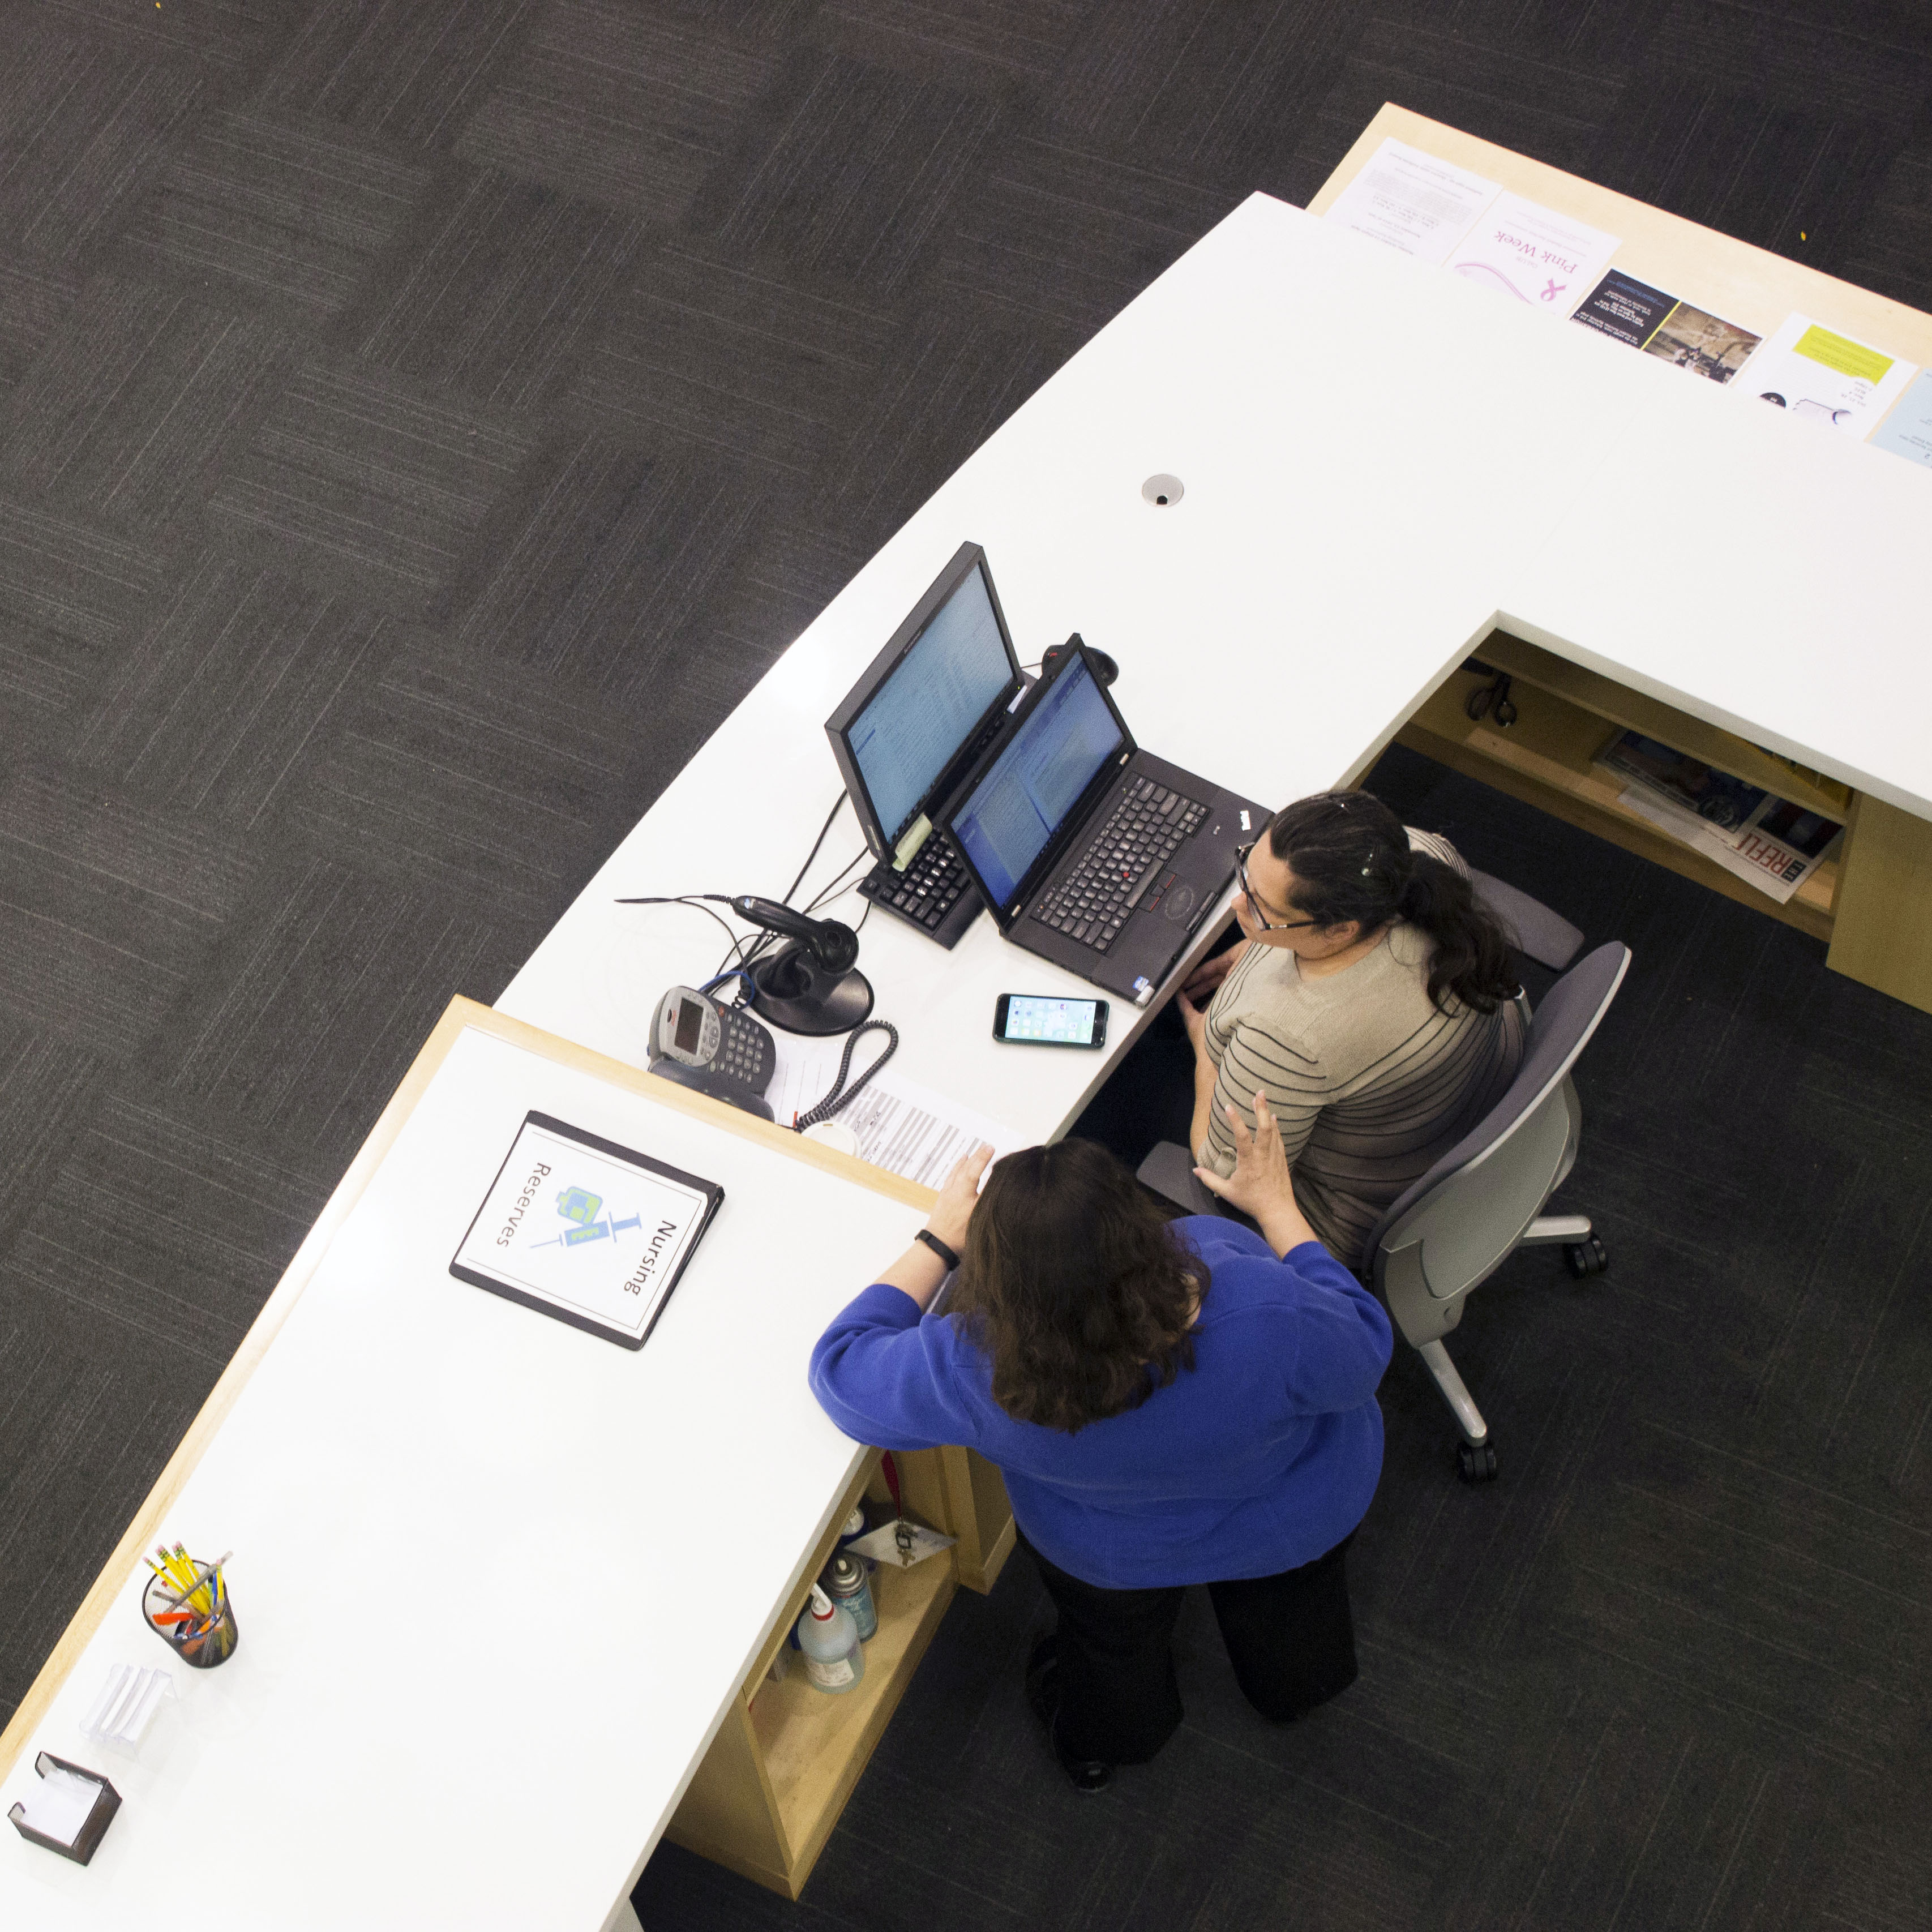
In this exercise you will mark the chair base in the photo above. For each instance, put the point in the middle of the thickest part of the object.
(1585, 1255)
(1455, 1392)
(1546, 1230)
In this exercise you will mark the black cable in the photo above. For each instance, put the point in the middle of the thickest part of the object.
(758, 941)
(841, 882)
(815, 845)
(691, 899)
(747, 949)
(838, 1097)
(763, 942)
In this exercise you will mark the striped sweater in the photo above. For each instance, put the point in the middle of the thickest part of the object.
(1369, 1083)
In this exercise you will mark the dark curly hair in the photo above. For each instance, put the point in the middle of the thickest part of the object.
(1350, 858)
(1072, 1284)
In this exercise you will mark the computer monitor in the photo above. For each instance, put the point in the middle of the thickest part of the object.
(928, 703)
(1069, 739)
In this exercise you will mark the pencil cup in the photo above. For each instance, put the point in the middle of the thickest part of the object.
(200, 1643)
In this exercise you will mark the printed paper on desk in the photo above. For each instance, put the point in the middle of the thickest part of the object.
(1706, 344)
(1625, 308)
(1822, 377)
(1540, 257)
(1907, 431)
(907, 1128)
(1412, 201)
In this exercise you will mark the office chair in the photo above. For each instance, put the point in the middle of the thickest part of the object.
(1481, 1202)
(1547, 937)
(1484, 1199)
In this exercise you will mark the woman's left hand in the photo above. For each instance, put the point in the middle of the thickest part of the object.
(954, 1208)
(1261, 1184)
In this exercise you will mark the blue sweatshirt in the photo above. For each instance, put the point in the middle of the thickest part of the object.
(1261, 1458)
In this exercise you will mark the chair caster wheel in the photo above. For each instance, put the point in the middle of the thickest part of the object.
(1586, 1258)
(1476, 1462)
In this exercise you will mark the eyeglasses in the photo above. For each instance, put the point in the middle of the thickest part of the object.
(1262, 919)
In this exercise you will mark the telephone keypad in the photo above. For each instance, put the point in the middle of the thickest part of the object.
(745, 1050)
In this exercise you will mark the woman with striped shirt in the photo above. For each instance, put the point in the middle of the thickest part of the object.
(1370, 1000)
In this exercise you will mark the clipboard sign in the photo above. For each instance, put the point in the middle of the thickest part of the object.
(579, 1228)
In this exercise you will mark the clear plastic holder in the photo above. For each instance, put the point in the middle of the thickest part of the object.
(86, 1839)
(128, 1703)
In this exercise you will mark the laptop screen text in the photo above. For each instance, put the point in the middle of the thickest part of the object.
(1017, 807)
(937, 692)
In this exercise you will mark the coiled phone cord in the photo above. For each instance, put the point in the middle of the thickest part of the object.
(838, 1097)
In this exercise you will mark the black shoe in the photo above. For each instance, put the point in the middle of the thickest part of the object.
(1042, 1690)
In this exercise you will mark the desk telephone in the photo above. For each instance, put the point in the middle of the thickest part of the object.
(713, 1049)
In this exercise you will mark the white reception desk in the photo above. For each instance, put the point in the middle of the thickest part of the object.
(1382, 464)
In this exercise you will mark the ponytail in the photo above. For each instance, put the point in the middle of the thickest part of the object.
(1350, 858)
(1471, 959)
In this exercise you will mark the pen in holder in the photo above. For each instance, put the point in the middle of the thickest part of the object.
(197, 1623)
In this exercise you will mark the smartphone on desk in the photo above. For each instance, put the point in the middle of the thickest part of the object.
(713, 1049)
(1041, 1019)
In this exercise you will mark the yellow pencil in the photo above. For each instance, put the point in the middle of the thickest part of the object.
(181, 1570)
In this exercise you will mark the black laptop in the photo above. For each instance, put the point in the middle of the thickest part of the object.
(907, 733)
(1091, 852)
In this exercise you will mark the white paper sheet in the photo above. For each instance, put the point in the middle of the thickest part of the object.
(1821, 376)
(903, 1126)
(59, 1804)
(1413, 201)
(1521, 249)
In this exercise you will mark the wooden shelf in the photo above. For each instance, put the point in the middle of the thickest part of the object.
(1591, 692)
(786, 1756)
(814, 1746)
(1545, 759)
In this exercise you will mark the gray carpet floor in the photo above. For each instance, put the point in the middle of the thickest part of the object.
(421, 420)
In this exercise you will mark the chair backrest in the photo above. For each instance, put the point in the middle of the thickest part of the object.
(1547, 937)
(1468, 1211)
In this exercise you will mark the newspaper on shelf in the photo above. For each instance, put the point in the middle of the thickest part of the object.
(1773, 844)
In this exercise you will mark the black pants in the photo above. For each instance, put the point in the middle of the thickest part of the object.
(1289, 1637)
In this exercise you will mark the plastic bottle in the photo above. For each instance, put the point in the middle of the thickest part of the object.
(835, 1660)
(855, 1527)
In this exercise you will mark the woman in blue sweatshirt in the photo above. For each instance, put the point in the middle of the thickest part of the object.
(1170, 1403)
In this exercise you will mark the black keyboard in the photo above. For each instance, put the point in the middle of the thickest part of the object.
(1125, 869)
(933, 883)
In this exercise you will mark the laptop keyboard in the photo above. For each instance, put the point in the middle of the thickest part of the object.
(1124, 871)
(927, 890)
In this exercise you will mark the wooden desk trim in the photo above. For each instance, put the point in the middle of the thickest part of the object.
(461, 1015)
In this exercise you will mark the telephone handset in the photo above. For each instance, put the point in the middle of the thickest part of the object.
(713, 1049)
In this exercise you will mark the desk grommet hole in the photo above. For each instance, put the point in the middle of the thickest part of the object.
(1162, 489)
